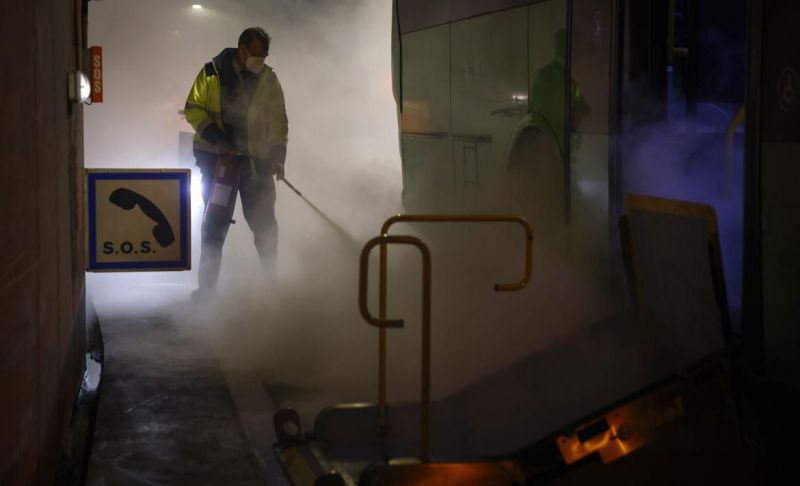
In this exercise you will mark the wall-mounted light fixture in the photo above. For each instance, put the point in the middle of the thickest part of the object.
(80, 91)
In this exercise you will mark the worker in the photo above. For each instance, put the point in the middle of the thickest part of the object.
(548, 94)
(236, 106)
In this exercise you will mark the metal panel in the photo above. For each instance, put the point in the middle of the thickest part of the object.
(780, 169)
(489, 73)
(781, 71)
(590, 85)
(489, 92)
(591, 60)
(425, 119)
(676, 288)
(752, 277)
(775, 158)
(427, 172)
(420, 14)
(472, 161)
(462, 9)
(426, 81)
(589, 192)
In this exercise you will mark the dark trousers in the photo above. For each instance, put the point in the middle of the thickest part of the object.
(258, 204)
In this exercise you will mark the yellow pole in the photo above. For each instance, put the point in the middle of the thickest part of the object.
(426, 323)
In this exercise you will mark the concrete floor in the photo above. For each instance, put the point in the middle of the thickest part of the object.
(166, 416)
(171, 413)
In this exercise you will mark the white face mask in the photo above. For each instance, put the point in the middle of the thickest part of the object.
(254, 64)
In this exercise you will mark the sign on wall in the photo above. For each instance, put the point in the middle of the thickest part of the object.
(96, 57)
(138, 220)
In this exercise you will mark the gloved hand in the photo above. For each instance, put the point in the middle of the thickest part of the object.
(277, 159)
(223, 148)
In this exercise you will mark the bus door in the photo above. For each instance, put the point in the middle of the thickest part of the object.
(588, 122)
(772, 264)
(682, 94)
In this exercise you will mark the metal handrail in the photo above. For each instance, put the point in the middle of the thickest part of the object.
(475, 218)
(382, 304)
(382, 323)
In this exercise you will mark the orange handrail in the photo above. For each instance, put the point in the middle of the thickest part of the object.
(382, 304)
(382, 323)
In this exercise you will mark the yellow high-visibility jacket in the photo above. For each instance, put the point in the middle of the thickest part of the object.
(267, 124)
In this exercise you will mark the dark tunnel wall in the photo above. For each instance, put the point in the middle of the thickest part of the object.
(42, 296)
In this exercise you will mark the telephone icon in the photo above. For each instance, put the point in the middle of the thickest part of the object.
(127, 199)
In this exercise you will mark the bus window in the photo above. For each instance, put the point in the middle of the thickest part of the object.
(425, 118)
(591, 65)
(488, 91)
(547, 35)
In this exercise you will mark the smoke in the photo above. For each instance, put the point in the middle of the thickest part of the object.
(301, 329)
(694, 165)
(333, 60)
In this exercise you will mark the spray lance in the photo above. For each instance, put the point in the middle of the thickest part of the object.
(292, 187)
(222, 197)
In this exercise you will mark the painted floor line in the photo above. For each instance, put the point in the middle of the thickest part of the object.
(255, 409)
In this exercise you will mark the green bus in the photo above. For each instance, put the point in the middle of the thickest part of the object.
(555, 109)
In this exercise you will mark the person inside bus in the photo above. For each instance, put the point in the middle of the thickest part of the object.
(236, 107)
(547, 93)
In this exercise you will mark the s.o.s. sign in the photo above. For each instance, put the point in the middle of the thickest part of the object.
(96, 55)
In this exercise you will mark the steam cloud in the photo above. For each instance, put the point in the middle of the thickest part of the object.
(301, 329)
